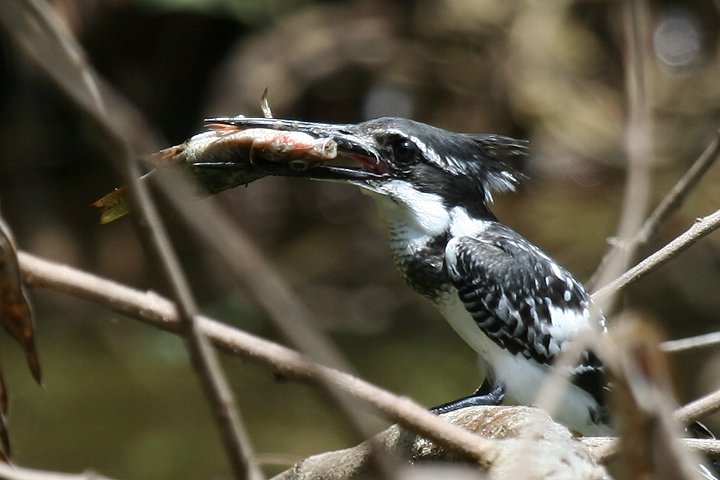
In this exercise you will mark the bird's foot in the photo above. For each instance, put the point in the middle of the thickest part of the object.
(486, 395)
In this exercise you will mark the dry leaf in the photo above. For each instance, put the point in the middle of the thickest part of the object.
(16, 318)
(15, 312)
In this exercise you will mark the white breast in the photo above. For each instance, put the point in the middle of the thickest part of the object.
(522, 377)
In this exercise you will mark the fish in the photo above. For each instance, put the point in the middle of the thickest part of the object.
(227, 155)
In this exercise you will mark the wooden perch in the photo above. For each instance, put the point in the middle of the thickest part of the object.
(529, 446)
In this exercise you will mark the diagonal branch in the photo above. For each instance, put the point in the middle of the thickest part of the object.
(155, 310)
(701, 228)
(673, 200)
(272, 295)
(677, 195)
(698, 341)
(699, 408)
(202, 356)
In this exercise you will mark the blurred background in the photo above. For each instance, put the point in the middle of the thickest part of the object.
(120, 398)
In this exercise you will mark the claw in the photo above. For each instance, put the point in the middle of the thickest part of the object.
(486, 395)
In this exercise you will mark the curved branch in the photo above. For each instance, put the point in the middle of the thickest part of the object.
(155, 310)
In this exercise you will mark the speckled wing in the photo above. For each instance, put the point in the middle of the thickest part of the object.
(522, 300)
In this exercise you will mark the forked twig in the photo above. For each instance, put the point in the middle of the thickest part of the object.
(674, 199)
(701, 228)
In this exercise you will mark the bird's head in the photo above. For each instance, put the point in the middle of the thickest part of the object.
(402, 159)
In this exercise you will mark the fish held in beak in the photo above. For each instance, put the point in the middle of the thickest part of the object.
(227, 156)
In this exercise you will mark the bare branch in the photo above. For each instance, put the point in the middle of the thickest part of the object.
(701, 228)
(604, 446)
(677, 195)
(203, 357)
(155, 310)
(271, 293)
(674, 198)
(13, 472)
(690, 343)
(698, 408)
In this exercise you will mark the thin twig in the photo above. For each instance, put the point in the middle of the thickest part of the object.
(685, 415)
(43, 37)
(155, 310)
(691, 343)
(13, 472)
(701, 228)
(674, 199)
(677, 195)
(203, 357)
(699, 408)
(604, 447)
(638, 147)
(272, 295)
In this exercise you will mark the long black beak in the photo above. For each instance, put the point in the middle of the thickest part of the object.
(357, 158)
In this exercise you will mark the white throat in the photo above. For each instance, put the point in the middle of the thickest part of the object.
(422, 214)
(419, 214)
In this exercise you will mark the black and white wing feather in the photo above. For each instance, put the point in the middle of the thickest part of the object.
(523, 301)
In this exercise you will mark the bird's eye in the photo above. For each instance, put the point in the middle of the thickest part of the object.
(405, 152)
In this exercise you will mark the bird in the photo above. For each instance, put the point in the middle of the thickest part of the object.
(507, 299)
(513, 304)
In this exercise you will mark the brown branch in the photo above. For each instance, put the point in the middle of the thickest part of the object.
(699, 408)
(270, 292)
(674, 199)
(690, 343)
(203, 357)
(604, 447)
(13, 472)
(155, 310)
(701, 228)
(677, 195)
